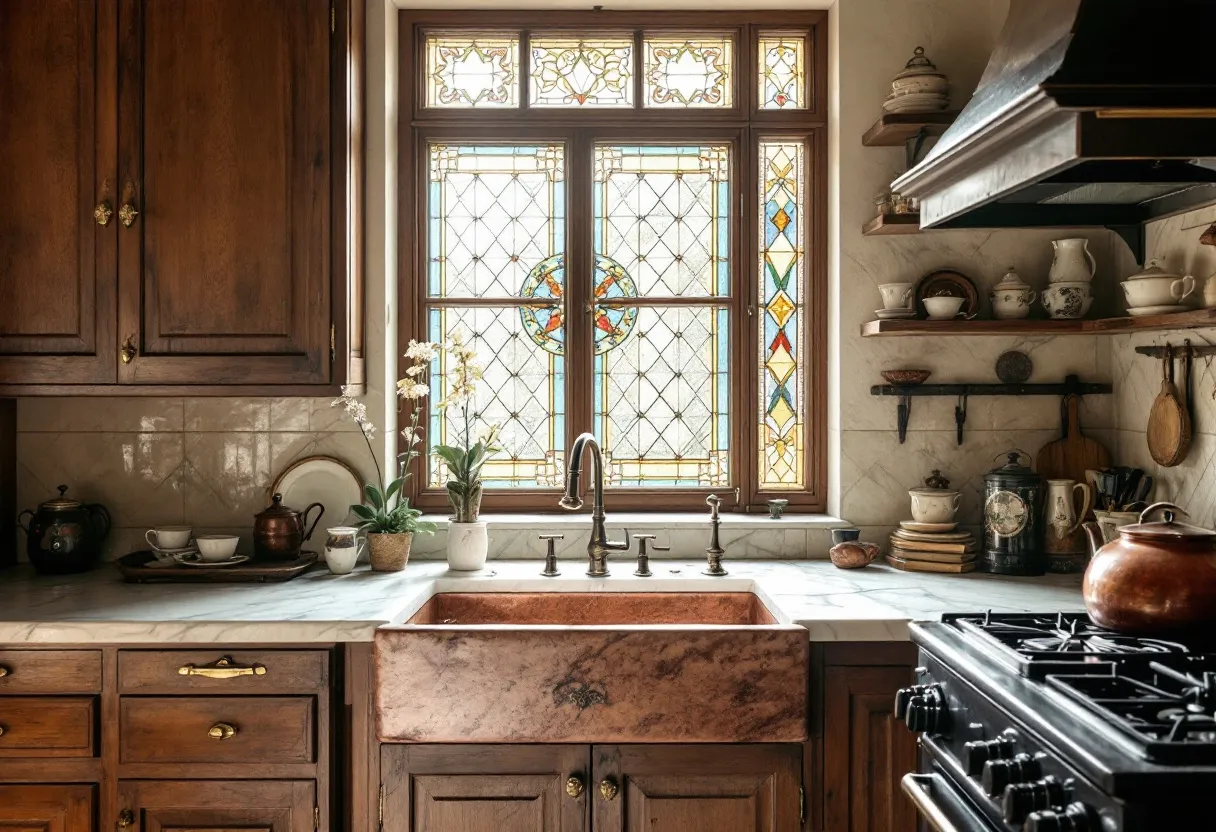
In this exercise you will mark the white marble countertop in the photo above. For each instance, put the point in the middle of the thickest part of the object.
(872, 604)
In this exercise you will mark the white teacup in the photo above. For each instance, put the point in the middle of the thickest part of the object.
(168, 537)
(933, 505)
(895, 295)
(213, 548)
(942, 308)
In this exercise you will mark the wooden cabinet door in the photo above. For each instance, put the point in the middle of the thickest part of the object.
(46, 808)
(697, 788)
(484, 788)
(866, 751)
(225, 152)
(217, 805)
(57, 157)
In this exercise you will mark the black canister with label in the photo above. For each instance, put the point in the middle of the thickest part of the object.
(1013, 537)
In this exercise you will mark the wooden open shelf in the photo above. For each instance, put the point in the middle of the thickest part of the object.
(894, 129)
(892, 224)
(1099, 326)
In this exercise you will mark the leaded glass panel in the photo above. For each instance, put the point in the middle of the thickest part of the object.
(472, 70)
(662, 397)
(692, 72)
(523, 390)
(782, 72)
(494, 213)
(782, 405)
(663, 214)
(573, 72)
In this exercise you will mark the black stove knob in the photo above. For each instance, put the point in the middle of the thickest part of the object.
(978, 752)
(904, 695)
(1020, 799)
(1075, 817)
(926, 712)
(1019, 768)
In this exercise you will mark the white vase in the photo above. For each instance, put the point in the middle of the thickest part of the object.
(1072, 262)
(468, 544)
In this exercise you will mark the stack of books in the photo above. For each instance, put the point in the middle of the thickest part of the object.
(932, 547)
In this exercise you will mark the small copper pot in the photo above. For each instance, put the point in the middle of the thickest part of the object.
(279, 531)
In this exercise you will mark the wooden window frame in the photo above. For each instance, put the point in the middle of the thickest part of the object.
(743, 125)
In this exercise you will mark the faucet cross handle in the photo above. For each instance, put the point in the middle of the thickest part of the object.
(643, 570)
(713, 501)
(550, 570)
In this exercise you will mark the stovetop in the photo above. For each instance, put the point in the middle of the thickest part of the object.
(1159, 694)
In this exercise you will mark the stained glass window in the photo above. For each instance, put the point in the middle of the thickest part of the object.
(782, 72)
(688, 73)
(782, 402)
(496, 230)
(661, 395)
(472, 71)
(588, 73)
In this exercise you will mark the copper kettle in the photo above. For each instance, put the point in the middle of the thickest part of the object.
(1157, 576)
(278, 531)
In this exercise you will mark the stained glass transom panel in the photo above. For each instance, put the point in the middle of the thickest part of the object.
(782, 404)
(523, 390)
(662, 400)
(688, 73)
(494, 212)
(472, 71)
(572, 72)
(782, 72)
(663, 213)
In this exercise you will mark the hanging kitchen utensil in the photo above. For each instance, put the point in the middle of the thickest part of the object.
(1169, 425)
(1074, 454)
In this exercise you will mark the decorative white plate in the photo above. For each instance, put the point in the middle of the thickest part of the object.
(930, 528)
(196, 560)
(1168, 309)
(894, 314)
(324, 480)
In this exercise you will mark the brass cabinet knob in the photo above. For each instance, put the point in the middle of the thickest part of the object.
(574, 785)
(222, 731)
(103, 212)
(1, 730)
(128, 351)
(126, 819)
(4, 671)
(127, 214)
(608, 788)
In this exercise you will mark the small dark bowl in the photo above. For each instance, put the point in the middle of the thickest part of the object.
(906, 377)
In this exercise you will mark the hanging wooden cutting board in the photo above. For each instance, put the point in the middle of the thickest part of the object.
(1070, 457)
(1169, 422)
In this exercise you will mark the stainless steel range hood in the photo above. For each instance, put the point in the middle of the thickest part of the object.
(1090, 113)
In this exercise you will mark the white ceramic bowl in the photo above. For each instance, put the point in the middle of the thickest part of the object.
(1067, 301)
(1157, 291)
(933, 505)
(942, 308)
(213, 548)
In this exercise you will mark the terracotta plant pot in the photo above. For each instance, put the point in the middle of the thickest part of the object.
(389, 552)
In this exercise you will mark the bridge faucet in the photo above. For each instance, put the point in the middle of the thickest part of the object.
(599, 545)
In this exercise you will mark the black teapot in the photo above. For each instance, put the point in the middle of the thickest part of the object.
(65, 536)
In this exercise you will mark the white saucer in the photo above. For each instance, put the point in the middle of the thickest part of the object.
(1165, 309)
(894, 314)
(930, 528)
(184, 550)
(196, 560)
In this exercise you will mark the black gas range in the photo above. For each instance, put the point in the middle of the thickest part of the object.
(1040, 723)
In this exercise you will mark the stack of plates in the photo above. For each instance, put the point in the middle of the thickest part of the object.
(917, 102)
(932, 547)
(894, 314)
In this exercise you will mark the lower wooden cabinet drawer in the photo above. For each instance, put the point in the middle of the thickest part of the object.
(46, 726)
(217, 729)
(222, 671)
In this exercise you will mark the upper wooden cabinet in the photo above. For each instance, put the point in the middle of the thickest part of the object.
(219, 141)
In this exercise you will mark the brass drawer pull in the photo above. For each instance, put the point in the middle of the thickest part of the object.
(222, 731)
(225, 668)
(103, 212)
(4, 671)
(126, 819)
(1, 730)
(608, 788)
(128, 351)
(127, 214)
(574, 785)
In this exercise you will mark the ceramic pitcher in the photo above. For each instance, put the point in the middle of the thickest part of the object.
(1062, 517)
(1072, 262)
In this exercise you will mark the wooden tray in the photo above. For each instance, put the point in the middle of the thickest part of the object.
(136, 568)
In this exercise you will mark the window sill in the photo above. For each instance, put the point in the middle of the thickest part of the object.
(649, 520)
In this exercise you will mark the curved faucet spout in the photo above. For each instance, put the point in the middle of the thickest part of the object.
(599, 546)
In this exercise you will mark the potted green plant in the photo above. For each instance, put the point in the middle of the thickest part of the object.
(468, 538)
(385, 516)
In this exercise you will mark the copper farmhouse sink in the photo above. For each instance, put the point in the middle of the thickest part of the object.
(592, 667)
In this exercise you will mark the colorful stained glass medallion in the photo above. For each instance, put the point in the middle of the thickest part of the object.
(782, 72)
(575, 72)
(688, 73)
(782, 262)
(472, 71)
(546, 325)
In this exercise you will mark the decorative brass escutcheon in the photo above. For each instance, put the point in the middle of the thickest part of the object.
(128, 351)
(224, 668)
(126, 819)
(127, 214)
(103, 212)
(222, 731)
(608, 788)
(574, 785)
